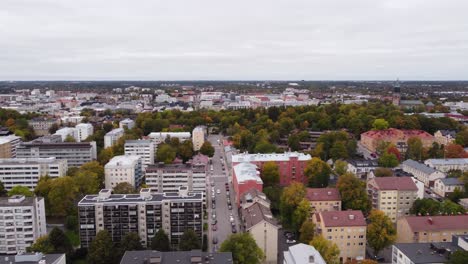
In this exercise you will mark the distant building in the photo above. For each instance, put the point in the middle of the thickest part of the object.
(8, 145)
(178, 257)
(142, 148)
(446, 165)
(445, 137)
(347, 229)
(422, 172)
(83, 131)
(23, 222)
(160, 137)
(41, 125)
(398, 137)
(27, 172)
(392, 195)
(324, 199)
(127, 123)
(446, 186)
(302, 254)
(361, 167)
(34, 258)
(396, 94)
(198, 137)
(143, 213)
(125, 168)
(291, 165)
(425, 229)
(245, 177)
(112, 136)
(64, 132)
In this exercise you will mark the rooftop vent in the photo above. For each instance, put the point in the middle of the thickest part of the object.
(351, 217)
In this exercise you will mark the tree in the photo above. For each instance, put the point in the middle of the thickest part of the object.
(380, 232)
(69, 138)
(459, 257)
(462, 138)
(294, 142)
(207, 149)
(94, 167)
(301, 214)
(415, 149)
(60, 241)
(101, 250)
(329, 250)
(340, 167)
(71, 223)
(273, 193)
(289, 201)
(53, 128)
(318, 173)
(105, 155)
(42, 244)
(160, 241)
(62, 196)
(388, 160)
(353, 193)
(189, 240)
(455, 151)
(3, 191)
(307, 232)
(124, 188)
(165, 153)
(86, 183)
(131, 241)
(380, 124)
(185, 150)
(383, 172)
(339, 151)
(270, 174)
(20, 190)
(244, 249)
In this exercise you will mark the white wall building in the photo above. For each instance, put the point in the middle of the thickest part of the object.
(64, 132)
(23, 221)
(445, 165)
(27, 172)
(160, 137)
(83, 131)
(446, 186)
(125, 168)
(302, 254)
(142, 148)
(198, 137)
(422, 172)
(112, 136)
(8, 145)
(127, 122)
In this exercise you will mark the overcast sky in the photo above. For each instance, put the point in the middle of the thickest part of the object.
(233, 39)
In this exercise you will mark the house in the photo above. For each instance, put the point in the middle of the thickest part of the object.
(347, 229)
(446, 165)
(254, 196)
(361, 167)
(445, 137)
(302, 254)
(324, 199)
(398, 137)
(424, 229)
(446, 186)
(245, 176)
(422, 172)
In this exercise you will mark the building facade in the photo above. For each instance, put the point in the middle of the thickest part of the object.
(422, 172)
(446, 165)
(8, 145)
(245, 177)
(41, 126)
(142, 148)
(127, 123)
(446, 186)
(445, 137)
(22, 222)
(125, 168)
(398, 137)
(324, 199)
(160, 137)
(143, 213)
(198, 137)
(83, 131)
(112, 136)
(425, 229)
(361, 168)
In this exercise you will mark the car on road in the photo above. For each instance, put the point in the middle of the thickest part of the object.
(214, 227)
(218, 191)
(231, 219)
(213, 216)
(234, 230)
(290, 241)
(227, 193)
(288, 235)
(212, 184)
(213, 206)
(214, 222)
(229, 207)
(215, 240)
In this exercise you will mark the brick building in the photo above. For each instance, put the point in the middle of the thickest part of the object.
(245, 177)
(397, 137)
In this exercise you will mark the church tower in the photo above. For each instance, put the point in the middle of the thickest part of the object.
(396, 93)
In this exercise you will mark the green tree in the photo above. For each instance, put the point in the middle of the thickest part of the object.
(160, 241)
(383, 172)
(329, 250)
(318, 173)
(86, 183)
(270, 174)
(380, 124)
(165, 153)
(380, 232)
(20, 190)
(388, 160)
(353, 193)
(69, 138)
(131, 241)
(289, 201)
(124, 188)
(185, 150)
(264, 146)
(3, 191)
(43, 245)
(339, 151)
(60, 241)
(105, 155)
(307, 232)
(462, 138)
(273, 193)
(94, 167)
(340, 167)
(189, 240)
(294, 142)
(459, 257)
(71, 223)
(415, 149)
(207, 149)
(62, 196)
(101, 250)
(301, 214)
(244, 249)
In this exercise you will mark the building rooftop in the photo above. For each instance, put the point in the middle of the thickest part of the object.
(323, 194)
(17, 200)
(420, 253)
(395, 183)
(32, 258)
(178, 257)
(123, 160)
(451, 133)
(246, 171)
(342, 218)
(55, 144)
(437, 223)
(302, 253)
(145, 195)
(6, 139)
(251, 194)
(170, 134)
(270, 157)
(451, 181)
(393, 132)
(419, 166)
(255, 214)
(138, 141)
(435, 162)
(30, 161)
(363, 163)
(115, 131)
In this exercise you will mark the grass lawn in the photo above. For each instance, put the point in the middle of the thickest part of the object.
(73, 237)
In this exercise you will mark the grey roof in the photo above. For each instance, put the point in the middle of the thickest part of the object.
(363, 163)
(419, 166)
(138, 141)
(452, 161)
(257, 213)
(27, 201)
(451, 133)
(138, 198)
(427, 252)
(411, 102)
(31, 258)
(451, 181)
(179, 257)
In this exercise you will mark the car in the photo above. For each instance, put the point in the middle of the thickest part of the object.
(218, 191)
(234, 230)
(212, 184)
(213, 206)
(229, 207)
(288, 235)
(227, 193)
(290, 241)
(213, 216)
(214, 222)
(215, 240)
(227, 184)
(214, 227)
(231, 219)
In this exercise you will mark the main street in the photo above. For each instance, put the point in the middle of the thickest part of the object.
(219, 174)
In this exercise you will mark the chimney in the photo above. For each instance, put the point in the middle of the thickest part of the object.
(429, 220)
(329, 193)
(104, 194)
(351, 217)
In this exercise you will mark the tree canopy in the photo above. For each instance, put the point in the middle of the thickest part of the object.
(189, 240)
(160, 241)
(329, 250)
(20, 190)
(244, 249)
(380, 232)
(270, 174)
(353, 193)
(318, 173)
(207, 149)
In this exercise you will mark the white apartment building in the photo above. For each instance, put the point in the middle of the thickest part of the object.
(127, 122)
(422, 172)
(22, 221)
(445, 165)
(8, 145)
(142, 148)
(112, 136)
(83, 131)
(27, 172)
(302, 254)
(198, 137)
(125, 168)
(160, 137)
(64, 132)
(446, 186)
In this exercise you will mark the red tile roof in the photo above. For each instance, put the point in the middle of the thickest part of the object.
(393, 132)
(323, 194)
(342, 218)
(395, 183)
(437, 223)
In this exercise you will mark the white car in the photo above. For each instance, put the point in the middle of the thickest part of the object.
(218, 191)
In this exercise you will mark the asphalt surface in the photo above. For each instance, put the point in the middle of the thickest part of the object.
(219, 174)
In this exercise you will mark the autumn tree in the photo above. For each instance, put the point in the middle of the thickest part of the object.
(165, 153)
(160, 241)
(62, 196)
(415, 149)
(42, 244)
(290, 199)
(380, 232)
(207, 149)
(244, 249)
(185, 150)
(353, 193)
(461, 138)
(340, 167)
(301, 214)
(318, 173)
(383, 172)
(388, 160)
(329, 250)
(307, 232)
(455, 151)
(124, 188)
(270, 174)
(380, 124)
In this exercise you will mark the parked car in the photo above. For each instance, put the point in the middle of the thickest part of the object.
(290, 241)
(214, 227)
(229, 207)
(214, 222)
(218, 191)
(234, 230)
(215, 240)
(289, 235)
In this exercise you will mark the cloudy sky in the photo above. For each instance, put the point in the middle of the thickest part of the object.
(231, 40)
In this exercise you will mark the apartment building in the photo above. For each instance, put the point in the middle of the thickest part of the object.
(398, 137)
(445, 137)
(124, 168)
(27, 172)
(245, 177)
(198, 137)
(176, 257)
(76, 153)
(324, 199)
(127, 123)
(446, 165)
(291, 165)
(8, 145)
(302, 253)
(446, 186)
(170, 177)
(160, 137)
(422, 172)
(83, 131)
(41, 125)
(65, 132)
(22, 221)
(112, 136)
(425, 229)
(142, 148)
(392, 195)
(361, 167)
(143, 213)
(347, 229)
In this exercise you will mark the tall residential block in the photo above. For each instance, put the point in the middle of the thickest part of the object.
(142, 148)
(8, 145)
(83, 131)
(125, 168)
(198, 137)
(112, 136)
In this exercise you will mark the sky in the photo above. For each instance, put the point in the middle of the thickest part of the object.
(233, 40)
